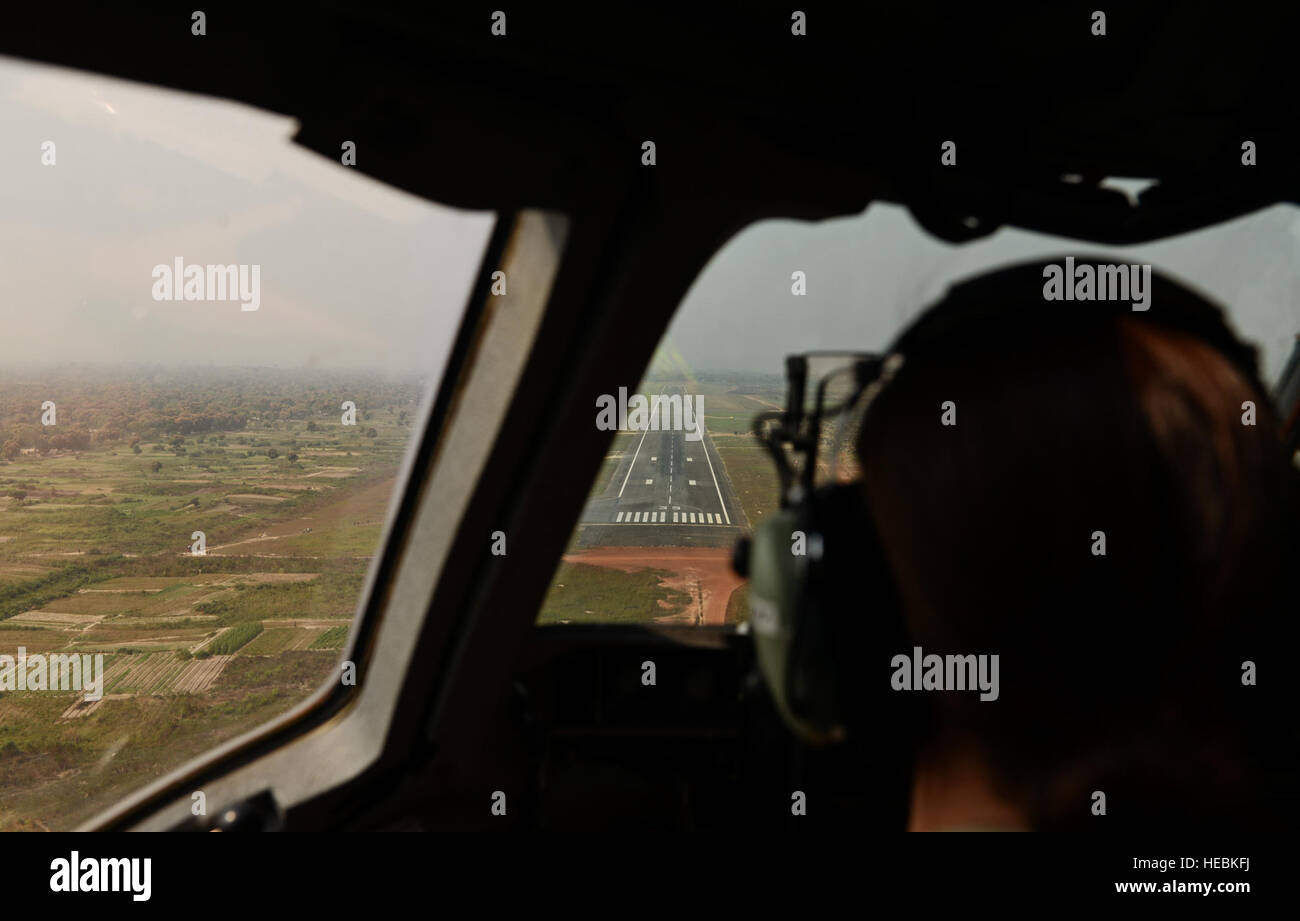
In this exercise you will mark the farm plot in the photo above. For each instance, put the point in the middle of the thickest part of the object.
(33, 639)
(157, 583)
(63, 620)
(119, 635)
(278, 639)
(162, 673)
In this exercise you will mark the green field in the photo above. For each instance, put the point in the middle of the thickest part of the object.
(582, 593)
(97, 515)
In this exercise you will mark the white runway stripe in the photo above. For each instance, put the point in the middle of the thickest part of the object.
(716, 487)
(658, 517)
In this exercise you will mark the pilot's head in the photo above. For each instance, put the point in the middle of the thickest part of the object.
(1107, 508)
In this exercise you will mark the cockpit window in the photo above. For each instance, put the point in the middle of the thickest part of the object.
(218, 349)
(653, 545)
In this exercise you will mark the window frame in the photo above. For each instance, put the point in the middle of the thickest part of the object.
(331, 701)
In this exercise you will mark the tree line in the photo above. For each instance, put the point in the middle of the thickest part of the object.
(93, 405)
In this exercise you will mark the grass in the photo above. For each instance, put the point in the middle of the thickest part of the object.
(583, 593)
(333, 594)
(753, 477)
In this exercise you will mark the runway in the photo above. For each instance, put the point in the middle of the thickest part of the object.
(667, 491)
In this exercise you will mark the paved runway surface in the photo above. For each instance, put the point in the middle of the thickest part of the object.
(668, 491)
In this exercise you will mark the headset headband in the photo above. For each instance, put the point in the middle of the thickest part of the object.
(1010, 295)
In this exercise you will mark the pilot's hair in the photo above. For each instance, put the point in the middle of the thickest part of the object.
(1123, 672)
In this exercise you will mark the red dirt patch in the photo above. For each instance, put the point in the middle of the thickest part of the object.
(704, 573)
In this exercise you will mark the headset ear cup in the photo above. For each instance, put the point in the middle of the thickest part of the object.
(776, 592)
(811, 684)
(854, 605)
(788, 616)
(826, 620)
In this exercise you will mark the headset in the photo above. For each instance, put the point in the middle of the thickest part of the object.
(816, 640)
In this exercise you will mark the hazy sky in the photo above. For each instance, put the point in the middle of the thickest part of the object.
(356, 274)
(868, 275)
(353, 273)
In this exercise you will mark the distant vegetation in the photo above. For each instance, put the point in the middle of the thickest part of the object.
(96, 406)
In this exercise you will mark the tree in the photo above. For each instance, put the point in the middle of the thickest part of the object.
(371, 433)
(312, 426)
(156, 466)
(272, 453)
(293, 458)
(11, 449)
(71, 441)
